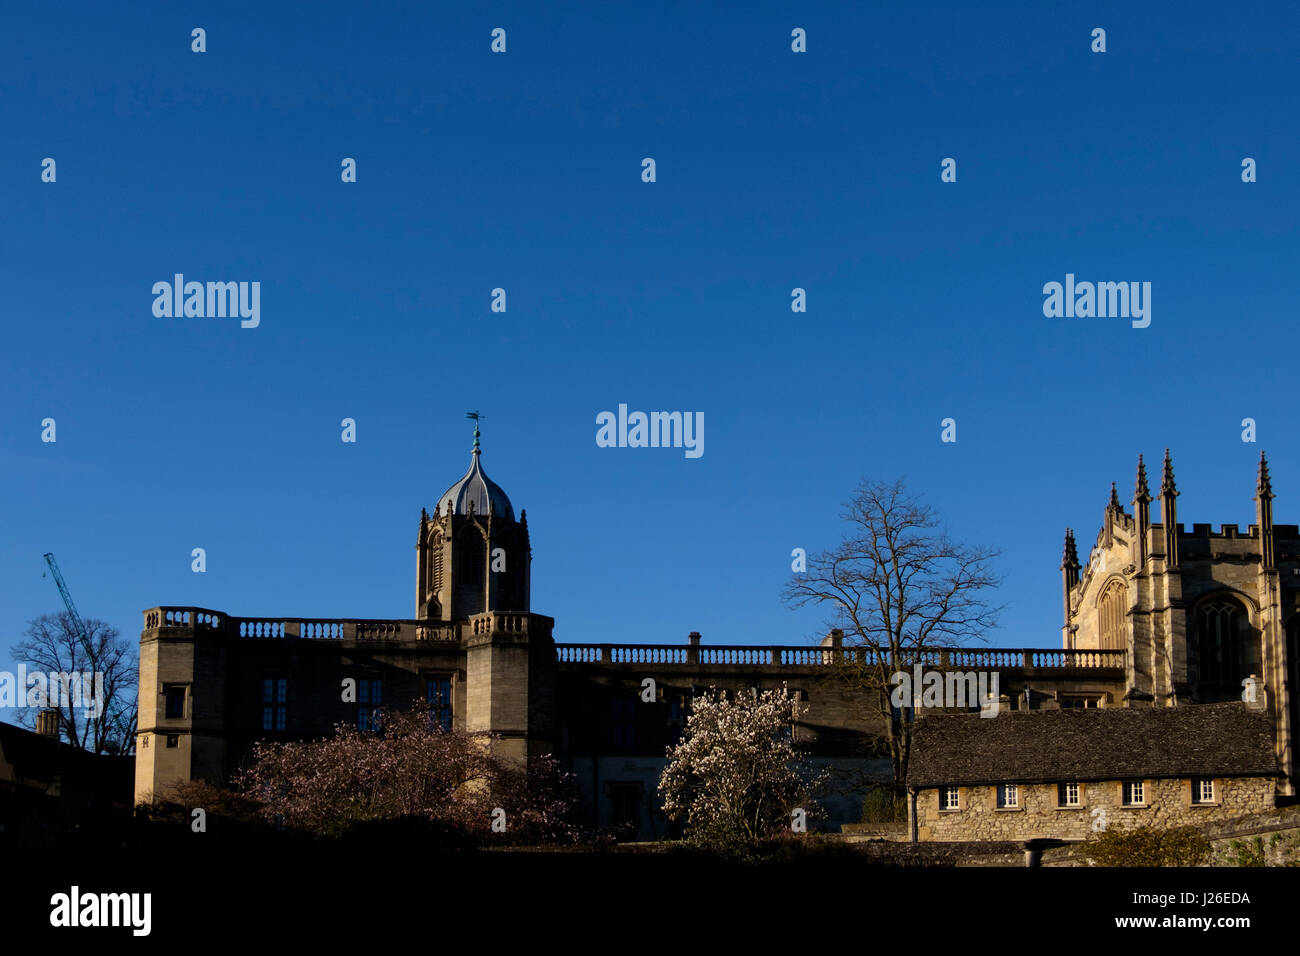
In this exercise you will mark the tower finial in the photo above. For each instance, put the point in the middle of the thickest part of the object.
(477, 418)
(1114, 497)
(1141, 492)
(1167, 486)
(1264, 487)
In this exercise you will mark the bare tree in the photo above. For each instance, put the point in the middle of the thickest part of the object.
(52, 646)
(898, 587)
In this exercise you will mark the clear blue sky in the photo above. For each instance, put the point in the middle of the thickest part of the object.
(775, 170)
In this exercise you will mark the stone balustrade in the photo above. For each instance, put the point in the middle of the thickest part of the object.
(493, 622)
(316, 629)
(1000, 659)
(741, 655)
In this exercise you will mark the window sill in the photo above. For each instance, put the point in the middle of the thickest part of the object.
(1008, 809)
(1075, 808)
(1135, 806)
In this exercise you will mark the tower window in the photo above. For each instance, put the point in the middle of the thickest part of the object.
(436, 558)
(1219, 629)
(470, 556)
(175, 697)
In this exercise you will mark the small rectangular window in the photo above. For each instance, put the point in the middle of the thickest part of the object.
(623, 725)
(275, 703)
(1067, 794)
(438, 694)
(370, 699)
(173, 740)
(676, 720)
(1134, 793)
(1008, 796)
(950, 798)
(1202, 790)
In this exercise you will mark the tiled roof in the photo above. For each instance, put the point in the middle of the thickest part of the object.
(1043, 746)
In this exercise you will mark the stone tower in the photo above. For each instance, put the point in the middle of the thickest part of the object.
(472, 556)
(1202, 616)
(472, 568)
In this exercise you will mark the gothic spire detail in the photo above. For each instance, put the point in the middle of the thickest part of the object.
(1070, 559)
(1264, 486)
(1141, 492)
(1114, 498)
(1167, 486)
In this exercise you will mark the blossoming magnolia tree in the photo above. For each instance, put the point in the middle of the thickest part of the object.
(409, 769)
(735, 776)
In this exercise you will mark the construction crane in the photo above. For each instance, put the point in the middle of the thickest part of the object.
(77, 625)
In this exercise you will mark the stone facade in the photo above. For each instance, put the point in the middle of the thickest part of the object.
(212, 684)
(1167, 803)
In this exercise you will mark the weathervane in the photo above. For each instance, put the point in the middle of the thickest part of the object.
(478, 417)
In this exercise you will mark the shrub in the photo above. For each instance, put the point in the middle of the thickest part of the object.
(388, 781)
(1146, 846)
(883, 805)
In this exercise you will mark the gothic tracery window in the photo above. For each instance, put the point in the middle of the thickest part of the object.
(1112, 616)
(1220, 628)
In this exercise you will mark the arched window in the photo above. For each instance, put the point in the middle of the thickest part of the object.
(435, 555)
(1112, 615)
(470, 557)
(1220, 636)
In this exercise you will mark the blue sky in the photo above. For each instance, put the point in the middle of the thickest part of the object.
(775, 170)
